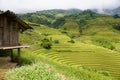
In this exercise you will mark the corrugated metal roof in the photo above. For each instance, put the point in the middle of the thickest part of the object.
(14, 17)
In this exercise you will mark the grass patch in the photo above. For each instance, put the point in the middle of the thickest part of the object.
(38, 71)
(80, 54)
(45, 68)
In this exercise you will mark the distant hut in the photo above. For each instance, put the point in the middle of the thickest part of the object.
(10, 25)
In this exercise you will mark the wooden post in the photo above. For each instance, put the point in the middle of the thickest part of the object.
(18, 55)
(12, 58)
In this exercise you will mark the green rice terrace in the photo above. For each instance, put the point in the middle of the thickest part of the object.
(69, 51)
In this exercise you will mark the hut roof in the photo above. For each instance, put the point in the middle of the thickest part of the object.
(13, 17)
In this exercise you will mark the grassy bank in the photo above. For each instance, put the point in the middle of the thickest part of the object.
(43, 68)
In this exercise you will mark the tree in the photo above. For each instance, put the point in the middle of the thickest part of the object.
(116, 16)
(46, 43)
(117, 27)
(1, 11)
(59, 22)
(81, 23)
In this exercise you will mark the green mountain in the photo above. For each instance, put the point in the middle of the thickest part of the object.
(47, 17)
(95, 55)
(78, 23)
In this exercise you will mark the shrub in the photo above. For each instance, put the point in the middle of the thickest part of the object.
(116, 16)
(93, 33)
(103, 42)
(38, 71)
(45, 34)
(105, 73)
(64, 32)
(59, 22)
(4, 53)
(46, 43)
(56, 41)
(71, 41)
(112, 47)
(89, 69)
(117, 27)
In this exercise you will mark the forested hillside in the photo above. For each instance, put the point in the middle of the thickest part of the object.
(76, 23)
(48, 17)
(68, 20)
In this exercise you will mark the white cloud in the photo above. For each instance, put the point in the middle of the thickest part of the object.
(33, 5)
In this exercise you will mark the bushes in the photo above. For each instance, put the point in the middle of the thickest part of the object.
(46, 43)
(116, 16)
(38, 71)
(4, 53)
(56, 41)
(103, 42)
(105, 73)
(117, 27)
(59, 22)
(71, 41)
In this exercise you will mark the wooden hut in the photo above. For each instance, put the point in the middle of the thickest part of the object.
(10, 25)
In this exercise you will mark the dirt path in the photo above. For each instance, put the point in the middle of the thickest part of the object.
(3, 73)
(5, 65)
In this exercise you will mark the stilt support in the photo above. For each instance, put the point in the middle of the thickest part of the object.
(12, 58)
(18, 55)
(11, 51)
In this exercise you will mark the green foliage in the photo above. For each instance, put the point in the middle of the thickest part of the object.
(1, 11)
(59, 22)
(47, 17)
(89, 69)
(35, 19)
(71, 41)
(116, 16)
(46, 43)
(88, 14)
(38, 71)
(4, 53)
(105, 73)
(117, 27)
(103, 42)
(93, 33)
(56, 41)
(85, 20)
(81, 23)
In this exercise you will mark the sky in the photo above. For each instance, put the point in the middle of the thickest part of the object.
(23, 6)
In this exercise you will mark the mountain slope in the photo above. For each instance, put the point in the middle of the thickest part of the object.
(47, 17)
(77, 54)
(81, 22)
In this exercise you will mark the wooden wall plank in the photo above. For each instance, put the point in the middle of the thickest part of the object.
(0, 36)
(4, 31)
(10, 32)
(1, 31)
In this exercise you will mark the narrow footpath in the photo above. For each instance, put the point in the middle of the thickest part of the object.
(5, 65)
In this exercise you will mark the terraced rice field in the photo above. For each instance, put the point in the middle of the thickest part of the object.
(80, 54)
